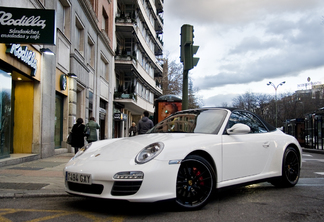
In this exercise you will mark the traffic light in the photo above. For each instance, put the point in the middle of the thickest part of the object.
(187, 48)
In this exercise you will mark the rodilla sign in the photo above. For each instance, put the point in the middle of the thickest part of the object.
(19, 25)
(23, 54)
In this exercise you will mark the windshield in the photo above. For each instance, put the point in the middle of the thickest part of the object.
(193, 121)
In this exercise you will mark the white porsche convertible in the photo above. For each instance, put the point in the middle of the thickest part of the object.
(185, 158)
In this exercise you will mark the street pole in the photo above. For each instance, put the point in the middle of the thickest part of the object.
(185, 90)
(187, 52)
(276, 107)
(276, 88)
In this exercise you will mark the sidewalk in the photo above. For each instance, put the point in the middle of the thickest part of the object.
(29, 176)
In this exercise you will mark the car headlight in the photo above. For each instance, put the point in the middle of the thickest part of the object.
(149, 152)
(82, 150)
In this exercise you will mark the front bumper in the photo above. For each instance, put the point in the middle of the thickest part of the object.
(158, 183)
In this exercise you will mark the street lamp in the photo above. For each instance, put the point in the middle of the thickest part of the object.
(276, 87)
(46, 51)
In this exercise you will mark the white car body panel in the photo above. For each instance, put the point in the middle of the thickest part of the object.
(237, 159)
(270, 151)
(158, 173)
(245, 155)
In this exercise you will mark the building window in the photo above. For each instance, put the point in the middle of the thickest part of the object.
(104, 68)
(79, 36)
(93, 4)
(63, 17)
(91, 52)
(105, 23)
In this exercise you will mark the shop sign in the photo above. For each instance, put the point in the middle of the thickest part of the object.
(21, 25)
(26, 56)
(118, 116)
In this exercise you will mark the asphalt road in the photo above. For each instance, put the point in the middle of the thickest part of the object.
(257, 202)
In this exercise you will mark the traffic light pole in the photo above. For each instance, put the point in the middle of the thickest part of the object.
(185, 90)
(187, 58)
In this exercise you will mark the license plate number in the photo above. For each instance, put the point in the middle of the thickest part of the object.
(78, 178)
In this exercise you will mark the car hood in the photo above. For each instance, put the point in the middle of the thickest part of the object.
(129, 147)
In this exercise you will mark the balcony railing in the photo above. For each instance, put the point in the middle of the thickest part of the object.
(120, 95)
(122, 18)
(160, 17)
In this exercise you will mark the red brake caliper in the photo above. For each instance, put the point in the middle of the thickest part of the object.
(200, 178)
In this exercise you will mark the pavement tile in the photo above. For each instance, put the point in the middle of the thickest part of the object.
(36, 178)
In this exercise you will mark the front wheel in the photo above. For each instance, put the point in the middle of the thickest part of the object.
(290, 169)
(195, 182)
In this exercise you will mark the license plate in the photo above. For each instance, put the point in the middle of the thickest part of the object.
(78, 178)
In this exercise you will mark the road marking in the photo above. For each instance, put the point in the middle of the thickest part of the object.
(310, 182)
(307, 155)
(57, 214)
(319, 160)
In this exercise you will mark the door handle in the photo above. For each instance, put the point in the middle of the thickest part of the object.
(266, 145)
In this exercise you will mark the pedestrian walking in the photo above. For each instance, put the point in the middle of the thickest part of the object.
(133, 129)
(77, 135)
(93, 126)
(145, 123)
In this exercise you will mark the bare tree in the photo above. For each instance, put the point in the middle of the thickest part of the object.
(225, 104)
(247, 101)
(261, 104)
(172, 77)
(172, 82)
(287, 106)
(194, 101)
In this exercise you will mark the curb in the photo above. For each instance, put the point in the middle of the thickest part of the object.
(307, 150)
(24, 194)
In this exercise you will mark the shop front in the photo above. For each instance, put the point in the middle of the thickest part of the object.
(61, 93)
(19, 77)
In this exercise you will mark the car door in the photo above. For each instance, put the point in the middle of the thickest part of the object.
(245, 154)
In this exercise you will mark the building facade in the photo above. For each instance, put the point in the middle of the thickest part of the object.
(105, 65)
(139, 29)
(38, 111)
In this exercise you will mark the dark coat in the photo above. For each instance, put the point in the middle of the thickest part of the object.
(144, 125)
(78, 135)
(132, 131)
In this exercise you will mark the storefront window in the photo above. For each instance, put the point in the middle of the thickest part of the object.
(5, 113)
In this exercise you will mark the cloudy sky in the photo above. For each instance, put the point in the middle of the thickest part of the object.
(244, 44)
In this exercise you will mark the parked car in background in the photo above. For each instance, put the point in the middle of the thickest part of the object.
(185, 158)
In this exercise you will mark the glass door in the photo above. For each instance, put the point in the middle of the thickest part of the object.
(58, 121)
(5, 113)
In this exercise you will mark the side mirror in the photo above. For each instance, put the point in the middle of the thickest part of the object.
(238, 128)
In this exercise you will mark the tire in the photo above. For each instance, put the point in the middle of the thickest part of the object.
(290, 169)
(195, 183)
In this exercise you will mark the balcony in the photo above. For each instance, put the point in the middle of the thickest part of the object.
(159, 5)
(122, 96)
(125, 20)
(125, 24)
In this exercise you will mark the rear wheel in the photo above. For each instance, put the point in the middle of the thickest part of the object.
(195, 182)
(290, 169)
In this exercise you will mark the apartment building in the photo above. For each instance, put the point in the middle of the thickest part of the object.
(139, 29)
